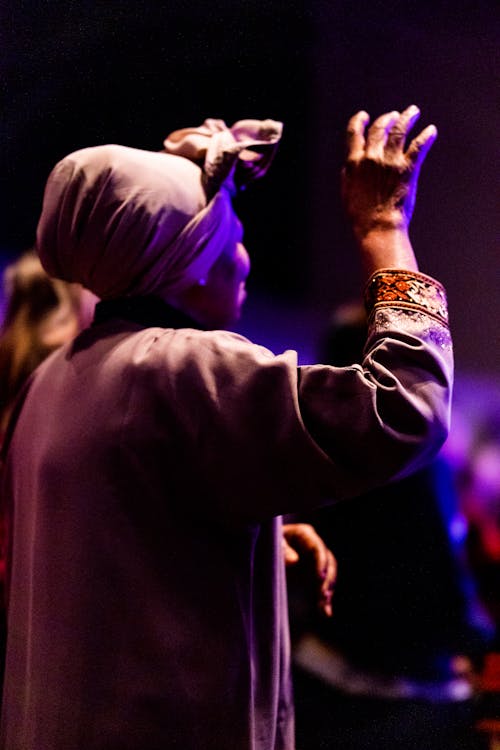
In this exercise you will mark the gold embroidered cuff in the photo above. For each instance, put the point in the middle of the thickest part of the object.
(410, 290)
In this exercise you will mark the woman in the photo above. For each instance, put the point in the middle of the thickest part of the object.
(167, 449)
(41, 314)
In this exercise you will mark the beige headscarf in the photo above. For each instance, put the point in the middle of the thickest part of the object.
(123, 221)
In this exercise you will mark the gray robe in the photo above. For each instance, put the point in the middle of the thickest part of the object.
(146, 476)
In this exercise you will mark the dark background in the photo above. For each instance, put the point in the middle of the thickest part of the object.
(79, 73)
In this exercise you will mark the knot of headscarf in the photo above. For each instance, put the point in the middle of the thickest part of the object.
(233, 156)
(127, 222)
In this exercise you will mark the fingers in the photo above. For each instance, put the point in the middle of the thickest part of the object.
(300, 540)
(326, 593)
(397, 135)
(386, 136)
(331, 569)
(315, 546)
(420, 146)
(302, 537)
(378, 132)
(355, 137)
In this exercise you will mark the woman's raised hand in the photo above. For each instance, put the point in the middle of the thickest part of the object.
(379, 184)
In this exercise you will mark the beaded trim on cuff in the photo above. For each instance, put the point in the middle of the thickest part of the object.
(391, 287)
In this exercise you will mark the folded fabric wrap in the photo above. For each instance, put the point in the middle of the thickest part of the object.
(127, 222)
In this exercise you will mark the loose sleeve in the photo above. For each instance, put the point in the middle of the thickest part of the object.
(385, 418)
(259, 436)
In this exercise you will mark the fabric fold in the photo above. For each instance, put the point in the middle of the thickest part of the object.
(233, 156)
(127, 222)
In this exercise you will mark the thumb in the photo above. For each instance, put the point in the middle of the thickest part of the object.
(290, 556)
(420, 146)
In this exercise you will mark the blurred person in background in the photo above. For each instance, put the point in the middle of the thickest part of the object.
(480, 504)
(41, 314)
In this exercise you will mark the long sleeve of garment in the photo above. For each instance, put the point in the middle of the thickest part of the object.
(268, 437)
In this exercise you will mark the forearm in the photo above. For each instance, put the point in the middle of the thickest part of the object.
(385, 248)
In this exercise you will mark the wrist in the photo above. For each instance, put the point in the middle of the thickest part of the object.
(386, 248)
